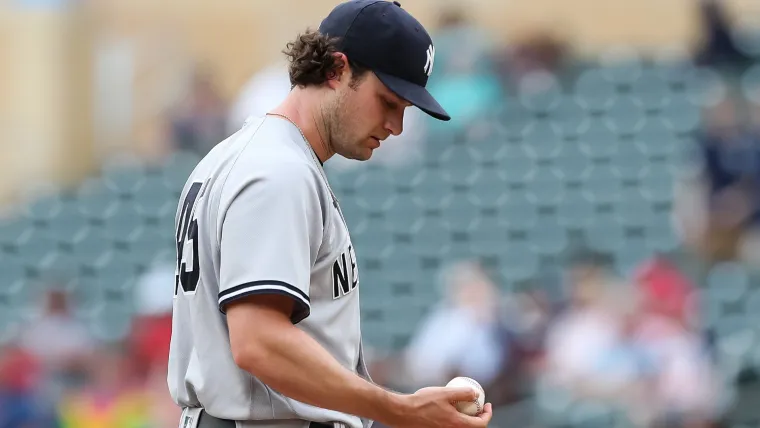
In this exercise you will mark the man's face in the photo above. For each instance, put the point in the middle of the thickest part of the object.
(361, 114)
(584, 282)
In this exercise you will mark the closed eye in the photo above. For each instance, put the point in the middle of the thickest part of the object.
(390, 104)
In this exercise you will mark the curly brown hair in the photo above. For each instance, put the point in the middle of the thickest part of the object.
(312, 61)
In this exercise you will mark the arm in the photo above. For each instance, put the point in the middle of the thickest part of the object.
(294, 364)
(271, 232)
(271, 235)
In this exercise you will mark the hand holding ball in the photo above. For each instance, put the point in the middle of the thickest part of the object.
(472, 408)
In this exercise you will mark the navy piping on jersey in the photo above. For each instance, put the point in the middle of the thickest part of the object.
(303, 303)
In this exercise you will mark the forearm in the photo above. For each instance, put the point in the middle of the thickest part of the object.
(294, 364)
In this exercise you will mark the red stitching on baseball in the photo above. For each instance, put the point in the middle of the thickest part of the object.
(480, 389)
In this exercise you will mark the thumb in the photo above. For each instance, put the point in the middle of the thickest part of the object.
(463, 394)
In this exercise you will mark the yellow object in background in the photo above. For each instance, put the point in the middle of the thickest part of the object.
(124, 410)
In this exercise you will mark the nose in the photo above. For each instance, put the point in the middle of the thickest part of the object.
(394, 124)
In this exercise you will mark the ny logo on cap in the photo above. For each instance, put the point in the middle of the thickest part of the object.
(430, 59)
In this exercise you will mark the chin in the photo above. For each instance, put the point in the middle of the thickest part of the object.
(362, 155)
(365, 156)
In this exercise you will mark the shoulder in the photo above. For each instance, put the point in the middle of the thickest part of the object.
(265, 141)
(268, 157)
(273, 173)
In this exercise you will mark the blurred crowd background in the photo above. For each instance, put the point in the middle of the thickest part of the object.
(583, 238)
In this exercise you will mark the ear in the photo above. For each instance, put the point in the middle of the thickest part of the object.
(342, 71)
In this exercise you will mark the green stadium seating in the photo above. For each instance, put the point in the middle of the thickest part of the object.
(124, 181)
(12, 270)
(599, 140)
(569, 118)
(625, 116)
(650, 90)
(545, 187)
(595, 93)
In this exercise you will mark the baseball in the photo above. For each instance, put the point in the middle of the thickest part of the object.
(472, 408)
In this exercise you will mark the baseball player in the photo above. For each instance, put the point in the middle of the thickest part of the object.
(266, 323)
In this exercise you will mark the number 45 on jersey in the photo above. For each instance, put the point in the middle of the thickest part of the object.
(187, 273)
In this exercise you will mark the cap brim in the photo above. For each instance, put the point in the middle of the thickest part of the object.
(415, 94)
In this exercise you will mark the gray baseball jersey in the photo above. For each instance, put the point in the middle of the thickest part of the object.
(256, 217)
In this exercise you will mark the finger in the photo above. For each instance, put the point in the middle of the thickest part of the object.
(462, 394)
(487, 413)
(480, 421)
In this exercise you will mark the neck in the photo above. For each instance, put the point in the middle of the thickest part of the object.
(303, 107)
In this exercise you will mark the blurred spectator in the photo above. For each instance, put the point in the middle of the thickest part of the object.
(529, 317)
(667, 292)
(718, 47)
(455, 29)
(150, 339)
(111, 399)
(718, 207)
(264, 90)
(151, 333)
(539, 52)
(637, 348)
(461, 336)
(586, 351)
(684, 390)
(200, 121)
(526, 317)
(22, 405)
(463, 80)
(59, 341)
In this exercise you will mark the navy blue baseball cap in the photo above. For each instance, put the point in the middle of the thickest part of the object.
(386, 39)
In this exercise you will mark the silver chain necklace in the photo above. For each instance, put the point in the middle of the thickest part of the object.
(314, 157)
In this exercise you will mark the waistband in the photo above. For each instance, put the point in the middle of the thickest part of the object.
(207, 421)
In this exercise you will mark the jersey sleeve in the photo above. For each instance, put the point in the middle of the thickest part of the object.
(271, 231)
